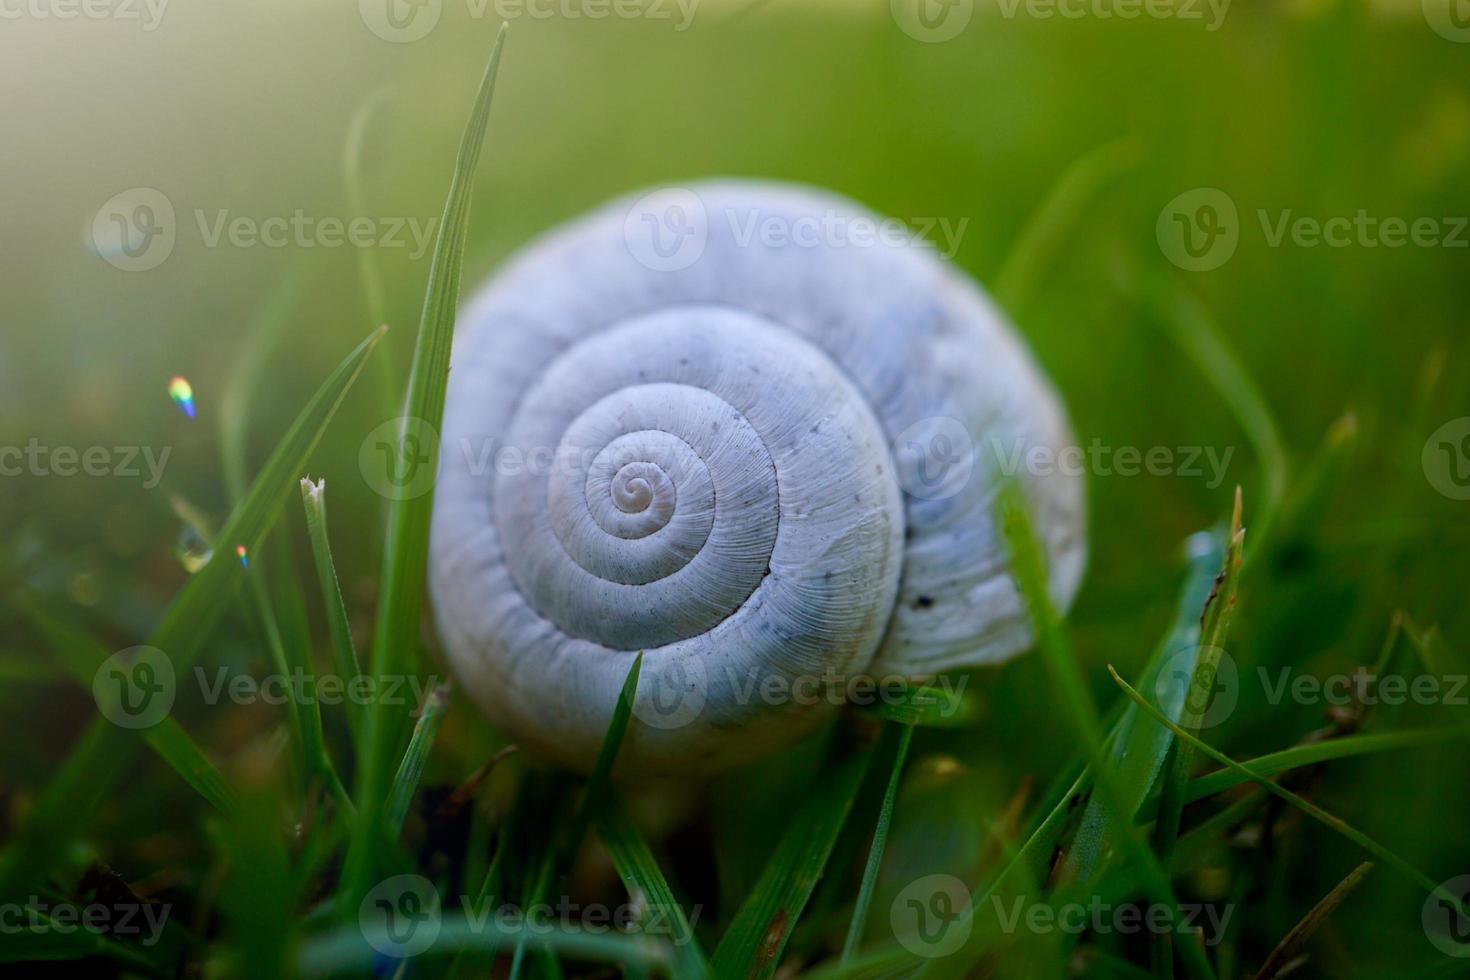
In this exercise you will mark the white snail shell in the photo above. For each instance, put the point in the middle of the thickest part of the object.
(694, 451)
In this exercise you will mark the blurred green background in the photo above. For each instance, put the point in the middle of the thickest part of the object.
(1319, 108)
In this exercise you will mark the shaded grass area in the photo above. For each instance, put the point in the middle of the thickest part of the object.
(267, 831)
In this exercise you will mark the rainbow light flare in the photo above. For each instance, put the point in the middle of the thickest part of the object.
(243, 555)
(182, 393)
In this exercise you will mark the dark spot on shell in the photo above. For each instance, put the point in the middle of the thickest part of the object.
(924, 602)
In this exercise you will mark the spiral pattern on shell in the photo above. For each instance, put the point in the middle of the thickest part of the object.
(698, 461)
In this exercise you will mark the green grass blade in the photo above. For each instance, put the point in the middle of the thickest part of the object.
(564, 846)
(1140, 750)
(1367, 843)
(875, 852)
(644, 879)
(1285, 952)
(753, 944)
(927, 706)
(406, 552)
(344, 653)
(1214, 631)
(1047, 230)
(411, 768)
(103, 754)
(83, 655)
(290, 649)
(1311, 754)
(1029, 571)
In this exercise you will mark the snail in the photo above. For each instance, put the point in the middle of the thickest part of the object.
(716, 426)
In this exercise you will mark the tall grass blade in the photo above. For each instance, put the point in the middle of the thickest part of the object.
(645, 881)
(411, 767)
(880, 840)
(405, 555)
(753, 944)
(1367, 843)
(103, 754)
(344, 653)
(1029, 571)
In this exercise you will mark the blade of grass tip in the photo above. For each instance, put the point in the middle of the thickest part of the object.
(353, 152)
(880, 841)
(1193, 330)
(645, 882)
(262, 336)
(405, 553)
(753, 944)
(344, 653)
(103, 753)
(1028, 569)
(1287, 949)
(1313, 753)
(1074, 780)
(1367, 843)
(1042, 238)
(1214, 631)
(411, 768)
(1436, 661)
(1140, 750)
(83, 656)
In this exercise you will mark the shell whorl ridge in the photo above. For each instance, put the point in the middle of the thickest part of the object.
(767, 464)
